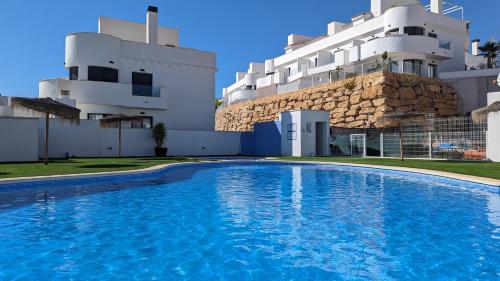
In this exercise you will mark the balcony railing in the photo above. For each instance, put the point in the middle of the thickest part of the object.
(343, 73)
(144, 91)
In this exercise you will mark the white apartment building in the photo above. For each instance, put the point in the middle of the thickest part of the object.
(137, 69)
(418, 39)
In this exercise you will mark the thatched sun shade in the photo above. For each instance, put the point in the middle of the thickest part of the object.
(48, 107)
(118, 119)
(395, 119)
(481, 114)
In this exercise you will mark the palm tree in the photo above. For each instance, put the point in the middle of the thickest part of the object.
(490, 51)
(118, 119)
(396, 120)
(48, 107)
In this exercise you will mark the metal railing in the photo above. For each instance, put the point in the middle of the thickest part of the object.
(440, 138)
(341, 73)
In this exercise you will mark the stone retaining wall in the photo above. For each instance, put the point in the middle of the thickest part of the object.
(353, 103)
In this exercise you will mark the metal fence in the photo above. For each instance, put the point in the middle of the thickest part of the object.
(440, 138)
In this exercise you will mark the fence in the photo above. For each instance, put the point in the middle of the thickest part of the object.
(440, 138)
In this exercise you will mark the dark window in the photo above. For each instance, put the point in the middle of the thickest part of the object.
(412, 67)
(432, 71)
(433, 35)
(392, 32)
(103, 74)
(145, 123)
(316, 62)
(73, 73)
(414, 30)
(142, 84)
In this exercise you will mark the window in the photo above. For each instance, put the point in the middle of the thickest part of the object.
(73, 73)
(145, 123)
(414, 30)
(393, 66)
(432, 71)
(412, 67)
(316, 62)
(392, 32)
(291, 131)
(142, 84)
(433, 35)
(103, 74)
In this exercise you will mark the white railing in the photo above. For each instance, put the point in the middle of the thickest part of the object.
(341, 73)
(450, 9)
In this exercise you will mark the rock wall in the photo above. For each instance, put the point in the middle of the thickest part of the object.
(353, 103)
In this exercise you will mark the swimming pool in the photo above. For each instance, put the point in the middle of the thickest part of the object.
(251, 221)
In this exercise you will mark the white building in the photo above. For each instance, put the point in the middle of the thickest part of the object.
(418, 39)
(137, 69)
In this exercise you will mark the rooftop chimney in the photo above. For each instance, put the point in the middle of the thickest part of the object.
(437, 6)
(152, 25)
(475, 47)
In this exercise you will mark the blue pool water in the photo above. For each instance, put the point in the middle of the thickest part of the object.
(251, 221)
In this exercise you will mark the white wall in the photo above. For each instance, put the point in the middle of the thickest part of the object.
(493, 141)
(305, 142)
(472, 87)
(18, 139)
(183, 78)
(134, 31)
(88, 139)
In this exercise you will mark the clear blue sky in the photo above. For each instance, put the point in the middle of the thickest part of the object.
(32, 32)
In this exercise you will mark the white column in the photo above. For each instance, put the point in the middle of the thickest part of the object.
(152, 25)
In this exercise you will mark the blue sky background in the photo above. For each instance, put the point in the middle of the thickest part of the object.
(32, 32)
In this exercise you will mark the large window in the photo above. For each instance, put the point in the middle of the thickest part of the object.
(103, 74)
(412, 67)
(432, 71)
(142, 84)
(414, 30)
(73, 73)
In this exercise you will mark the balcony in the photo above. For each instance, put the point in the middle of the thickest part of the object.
(428, 46)
(241, 95)
(104, 93)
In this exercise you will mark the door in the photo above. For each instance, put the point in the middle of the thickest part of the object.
(358, 145)
(320, 139)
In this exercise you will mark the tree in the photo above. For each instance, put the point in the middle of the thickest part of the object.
(218, 103)
(490, 51)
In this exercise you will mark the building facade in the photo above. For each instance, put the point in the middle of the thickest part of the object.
(137, 69)
(396, 35)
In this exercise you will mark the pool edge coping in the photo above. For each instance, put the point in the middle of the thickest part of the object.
(449, 175)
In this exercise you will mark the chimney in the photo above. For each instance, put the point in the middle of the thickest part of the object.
(437, 6)
(152, 25)
(475, 47)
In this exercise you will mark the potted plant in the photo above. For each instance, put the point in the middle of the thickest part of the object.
(160, 134)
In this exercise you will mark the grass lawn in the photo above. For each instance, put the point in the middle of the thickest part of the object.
(480, 169)
(83, 165)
